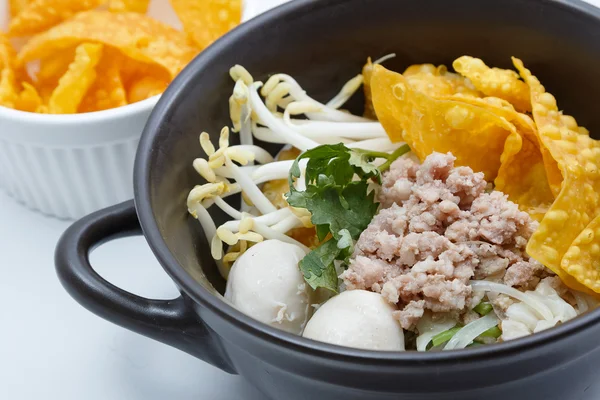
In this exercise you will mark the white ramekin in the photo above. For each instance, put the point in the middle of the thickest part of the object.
(68, 166)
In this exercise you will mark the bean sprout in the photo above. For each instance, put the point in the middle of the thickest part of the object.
(285, 115)
(347, 91)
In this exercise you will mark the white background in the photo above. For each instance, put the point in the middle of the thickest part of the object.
(51, 348)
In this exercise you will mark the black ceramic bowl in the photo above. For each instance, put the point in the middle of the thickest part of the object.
(322, 44)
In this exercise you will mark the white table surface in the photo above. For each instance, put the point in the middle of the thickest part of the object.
(52, 348)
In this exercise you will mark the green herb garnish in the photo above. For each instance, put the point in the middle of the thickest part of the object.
(483, 308)
(445, 336)
(494, 332)
(338, 197)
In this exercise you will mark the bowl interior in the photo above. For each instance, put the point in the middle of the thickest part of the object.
(324, 43)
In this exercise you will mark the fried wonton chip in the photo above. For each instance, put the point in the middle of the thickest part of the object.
(140, 80)
(526, 127)
(45, 91)
(550, 149)
(438, 81)
(426, 78)
(39, 15)
(582, 260)
(135, 35)
(139, 6)
(473, 134)
(496, 82)
(107, 90)
(559, 134)
(74, 84)
(55, 66)
(8, 92)
(8, 84)
(367, 72)
(500, 107)
(16, 6)
(29, 99)
(561, 225)
(553, 173)
(523, 122)
(522, 174)
(145, 87)
(578, 203)
(207, 20)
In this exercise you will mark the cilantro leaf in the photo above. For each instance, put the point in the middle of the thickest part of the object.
(353, 213)
(340, 204)
(318, 267)
(322, 232)
(345, 239)
(346, 245)
(362, 159)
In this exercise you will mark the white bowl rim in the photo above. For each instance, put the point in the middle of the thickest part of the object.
(79, 118)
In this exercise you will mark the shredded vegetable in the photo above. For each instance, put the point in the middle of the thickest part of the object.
(445, 336)
(483, 308)
(471, 331)
(428, 329)
(531, 301)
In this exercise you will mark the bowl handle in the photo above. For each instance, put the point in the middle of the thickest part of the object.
(173, 322)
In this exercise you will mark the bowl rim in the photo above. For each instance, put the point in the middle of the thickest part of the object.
(78, 118)
(216, 305)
